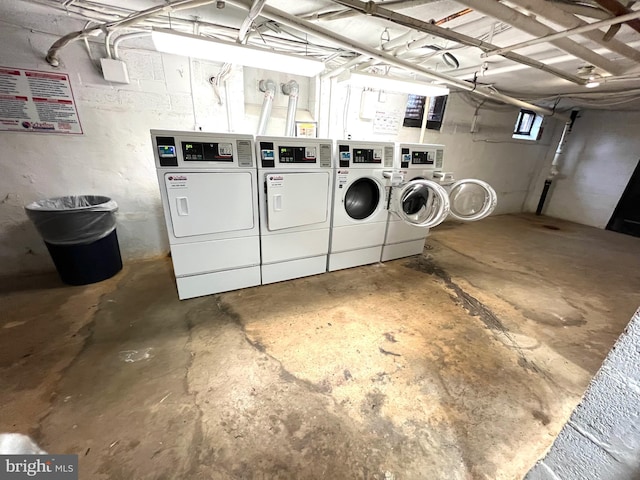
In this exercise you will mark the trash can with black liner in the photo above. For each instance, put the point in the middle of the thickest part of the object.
(80, 234)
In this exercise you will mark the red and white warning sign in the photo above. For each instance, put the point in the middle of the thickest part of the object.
(34, 101)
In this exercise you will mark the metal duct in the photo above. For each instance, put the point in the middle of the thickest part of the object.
(292, 89)
(269, 89)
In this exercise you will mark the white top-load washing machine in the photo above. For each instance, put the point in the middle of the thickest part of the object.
(209, 194)
(422, 197)
(359, 219)
(295, 177)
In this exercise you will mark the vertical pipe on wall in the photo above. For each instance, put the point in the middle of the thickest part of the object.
(553, 171)
(269, 89)
(425, 114)
(292, 89)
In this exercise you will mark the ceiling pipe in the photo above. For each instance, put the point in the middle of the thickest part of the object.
(373, 9)
(269, 89)
(53, 54)
(122, 38)
(315, 30)
(336, 14)
(617, 8)
(292, 89)
(522, 22)
(566, 33)
(559, 16)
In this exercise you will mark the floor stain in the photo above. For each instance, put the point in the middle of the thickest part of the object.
(257, 384)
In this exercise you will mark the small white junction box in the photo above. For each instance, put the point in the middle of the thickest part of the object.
(114, 70)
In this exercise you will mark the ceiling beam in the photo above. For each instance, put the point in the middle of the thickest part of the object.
(495, 9)
(373, 9)
(617, 8)
(550, 11)
(345, 42)
(582, 30)
(578, 9)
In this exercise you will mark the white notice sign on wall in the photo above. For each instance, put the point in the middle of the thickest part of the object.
(387, 122)
(33, 101)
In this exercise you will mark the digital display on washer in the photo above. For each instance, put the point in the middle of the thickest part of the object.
(367, 155)
(207, 152)
(422, 158)
(297, 154)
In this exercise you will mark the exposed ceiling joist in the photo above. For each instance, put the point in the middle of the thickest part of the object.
(582, 30)
(579, 9)
(480, 90)
(550, 11)
(373, 9)
(533, 27)
(617, 8)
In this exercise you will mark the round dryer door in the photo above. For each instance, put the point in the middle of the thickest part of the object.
(362, 198)
(472, 199)
(422, 202)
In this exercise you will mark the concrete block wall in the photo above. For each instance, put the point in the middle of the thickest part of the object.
(601, 440)
(114, 156)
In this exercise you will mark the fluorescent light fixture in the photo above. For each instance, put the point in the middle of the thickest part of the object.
(392, 84)
(185, 44)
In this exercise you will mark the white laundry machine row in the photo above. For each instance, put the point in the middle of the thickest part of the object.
(422, 197)
(210, 198)
(295, 176)
(359, 218)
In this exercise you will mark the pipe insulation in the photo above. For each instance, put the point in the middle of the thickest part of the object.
(53, 54)
(480, 90)
(293, 90)
(269, 89)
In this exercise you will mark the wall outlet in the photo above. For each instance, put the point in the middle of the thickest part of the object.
(114, 70)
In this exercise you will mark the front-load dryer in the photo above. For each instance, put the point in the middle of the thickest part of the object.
(359, 219)
(209, 194)
(295, 177)
(422, 197)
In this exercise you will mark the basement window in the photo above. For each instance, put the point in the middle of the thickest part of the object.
(415, 111)
(528, 125)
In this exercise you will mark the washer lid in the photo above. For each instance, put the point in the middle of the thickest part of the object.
(422, 202)
(472, 199)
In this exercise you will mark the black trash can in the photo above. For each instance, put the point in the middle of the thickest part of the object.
(80, 234)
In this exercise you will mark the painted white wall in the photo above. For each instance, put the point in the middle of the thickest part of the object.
(599, 157)
(114, 156)
(489, 154)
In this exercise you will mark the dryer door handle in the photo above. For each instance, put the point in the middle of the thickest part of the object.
(277, 202)
(182, 204)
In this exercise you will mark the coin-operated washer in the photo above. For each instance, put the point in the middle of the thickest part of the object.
(295, 177)
(422, 197)
(359, 219)
(210, 200)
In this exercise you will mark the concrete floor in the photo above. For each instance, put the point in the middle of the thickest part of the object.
(463, 363)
